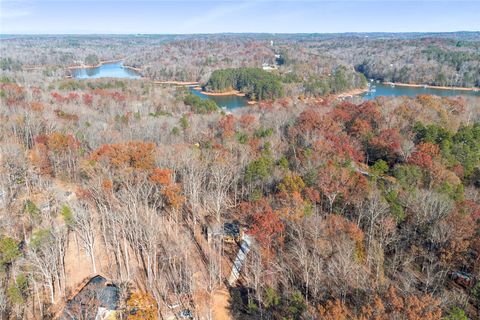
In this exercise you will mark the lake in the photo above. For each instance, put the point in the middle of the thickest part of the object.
(228, 102)
(376, 90)
(118, 70)
(379, 89)
(107, 70)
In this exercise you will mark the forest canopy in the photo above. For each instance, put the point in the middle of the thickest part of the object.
(200, 105)
(254, 82)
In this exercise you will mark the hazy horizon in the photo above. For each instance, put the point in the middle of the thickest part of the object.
(245, 33)
(260, 16)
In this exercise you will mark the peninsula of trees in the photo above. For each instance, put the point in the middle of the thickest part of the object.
(254, 82)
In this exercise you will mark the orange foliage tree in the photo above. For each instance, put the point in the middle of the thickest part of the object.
(56, 150)
(227, 126)
(337, 226)
(386, 146)
(337, 182)
(142, 306)
(391, 306)
(394, 306)
(424, 155)
(266, 226)
(130, 154)
(334, 310)
(169, 189)
(39, 158)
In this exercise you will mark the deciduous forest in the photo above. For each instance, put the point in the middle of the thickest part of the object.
(140, 199)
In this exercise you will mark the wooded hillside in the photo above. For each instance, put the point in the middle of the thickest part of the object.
(333, 208)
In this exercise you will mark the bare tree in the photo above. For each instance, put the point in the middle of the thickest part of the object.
(46, 253)
(85, 225)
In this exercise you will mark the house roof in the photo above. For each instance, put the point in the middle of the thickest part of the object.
(231, 228)
(95, 292)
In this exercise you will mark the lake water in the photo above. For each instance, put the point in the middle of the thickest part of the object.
(378, 89)
(117, 70)
(228, 102)
(107, 70)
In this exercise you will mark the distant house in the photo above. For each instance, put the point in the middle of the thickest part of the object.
(95, 298)
(230, 232)
(463, 279)
(268, 67)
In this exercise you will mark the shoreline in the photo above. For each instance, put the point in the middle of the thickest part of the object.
(226, 93)
(133, 68)
(177, 83)
(98, 65)
(351, 93)
(196, 85)
(400, 84)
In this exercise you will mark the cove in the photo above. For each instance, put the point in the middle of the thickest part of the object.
(107, 70)
(379, 89)
(118, 70)
(224, 102)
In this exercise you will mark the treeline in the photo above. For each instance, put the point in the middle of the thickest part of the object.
(256, 83)
(200, 105)
(435, 59)
(341, 80)
(440, 64)
(461, 148)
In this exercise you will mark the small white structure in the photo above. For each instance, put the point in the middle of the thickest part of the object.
(267, 67)
(2, 198)
(103, 313)
(45, 207)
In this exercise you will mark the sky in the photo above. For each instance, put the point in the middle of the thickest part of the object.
(198, 16)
